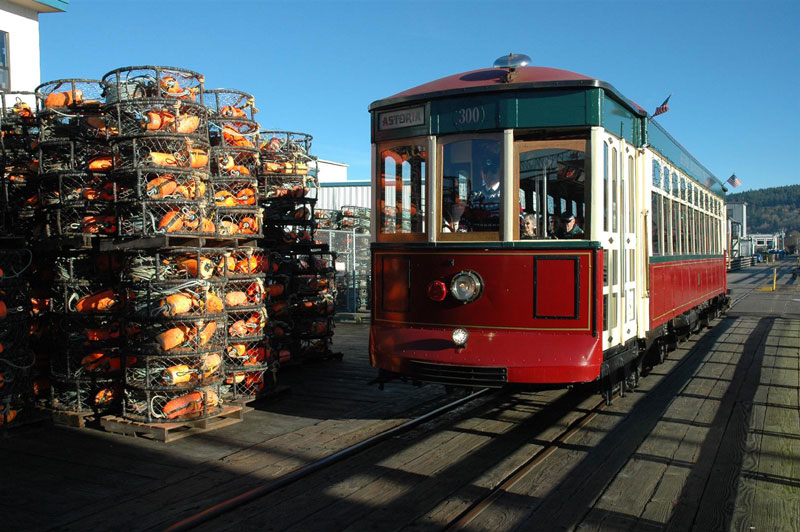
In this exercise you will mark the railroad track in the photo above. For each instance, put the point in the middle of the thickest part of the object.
(469, 514)
(286, 480)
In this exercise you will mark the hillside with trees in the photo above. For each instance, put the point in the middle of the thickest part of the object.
(770, 210)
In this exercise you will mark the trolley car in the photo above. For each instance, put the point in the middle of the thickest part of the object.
(533, 225)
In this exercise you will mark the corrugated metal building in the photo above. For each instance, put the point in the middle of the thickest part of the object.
(333, 196)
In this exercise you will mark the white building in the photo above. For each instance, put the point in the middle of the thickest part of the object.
(738, 213)
(19, 41)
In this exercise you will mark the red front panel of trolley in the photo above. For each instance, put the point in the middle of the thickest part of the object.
(539, 314)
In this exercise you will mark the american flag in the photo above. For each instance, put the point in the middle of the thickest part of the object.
(734, 181)
(663, 108)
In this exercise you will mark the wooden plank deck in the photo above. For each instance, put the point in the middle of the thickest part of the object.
(710, 440)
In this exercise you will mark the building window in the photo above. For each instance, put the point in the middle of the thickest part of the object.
(5, 76)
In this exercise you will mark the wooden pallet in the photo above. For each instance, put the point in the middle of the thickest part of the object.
(65, 418)
(167, 432)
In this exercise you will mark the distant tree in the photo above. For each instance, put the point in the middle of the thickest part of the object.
(770, 210)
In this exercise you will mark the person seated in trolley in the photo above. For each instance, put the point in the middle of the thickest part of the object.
(569, 227)
(452, 220)
(528, 227)
(471, 202)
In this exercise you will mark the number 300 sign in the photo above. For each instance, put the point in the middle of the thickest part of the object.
(467, 116)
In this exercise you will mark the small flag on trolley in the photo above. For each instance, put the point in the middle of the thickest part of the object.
(663, 108)
(734, 181)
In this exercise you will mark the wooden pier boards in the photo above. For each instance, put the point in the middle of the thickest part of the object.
(709, 441)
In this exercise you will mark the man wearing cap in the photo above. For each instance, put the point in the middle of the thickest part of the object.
(569, 228)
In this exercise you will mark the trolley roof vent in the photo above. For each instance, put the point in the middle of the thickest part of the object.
(512, 62)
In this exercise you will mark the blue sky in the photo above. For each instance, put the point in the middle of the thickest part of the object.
(733, 66)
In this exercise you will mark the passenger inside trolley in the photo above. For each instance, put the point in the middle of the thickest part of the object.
(471, 186)
(529, 227)
(552, 181)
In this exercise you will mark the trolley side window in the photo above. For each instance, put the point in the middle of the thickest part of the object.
(401, 191)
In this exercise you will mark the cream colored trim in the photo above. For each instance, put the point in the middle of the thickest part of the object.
(431, 191)
(509, 195)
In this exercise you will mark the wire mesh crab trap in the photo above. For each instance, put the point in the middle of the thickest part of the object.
(62, 189)
(86, 395)
(238, 222)
(246, 385)
(313, 283)
(287, 211)
(174, 373)
(161, 152)
(17, 119)
(69, 154)
(157, 116)
(69, 96)
(238, 134)
(287, 152)
(146, 218)
(288, 187)
(246, 326)
(86, 363)
(163, 185)
(194, 298)
(244, 293)
(80, 218)
(248, 355)
(88, 332)
(176, 337)
(88, 298)
(161, 406)
(151, 81)
(233, 163)
(87, 266)
(230, 104)
(187, 263)
(234, 192)
(320, 305)
(289, 235)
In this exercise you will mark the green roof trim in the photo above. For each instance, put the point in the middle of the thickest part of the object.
(669, 148)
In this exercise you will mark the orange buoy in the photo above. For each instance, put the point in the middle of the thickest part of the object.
(172, 338)
(63, 99)
(235, 299)
(171, 222)
(160, 187)
(202, 267)
(100, 301)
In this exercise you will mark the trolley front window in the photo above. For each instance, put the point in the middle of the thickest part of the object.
(401, 191)
(472, 183)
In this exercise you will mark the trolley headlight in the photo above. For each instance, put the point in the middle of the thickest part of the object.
(460, 337)
(466, 286)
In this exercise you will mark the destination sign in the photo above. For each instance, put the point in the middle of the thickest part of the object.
(403, 118)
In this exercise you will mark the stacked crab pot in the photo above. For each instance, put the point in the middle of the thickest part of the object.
(249, 362)
(312, 308)
(233, 133)
(175, 325)
(16, 358)
(86, 360)
(289, 189)
(75, 192)
(174, 316)
(18, 136)
(159, 132)
(301, 268)
(352, 218)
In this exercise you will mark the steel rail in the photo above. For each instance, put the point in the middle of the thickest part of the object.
(468, 515)
(478, 507)
(264, 489)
